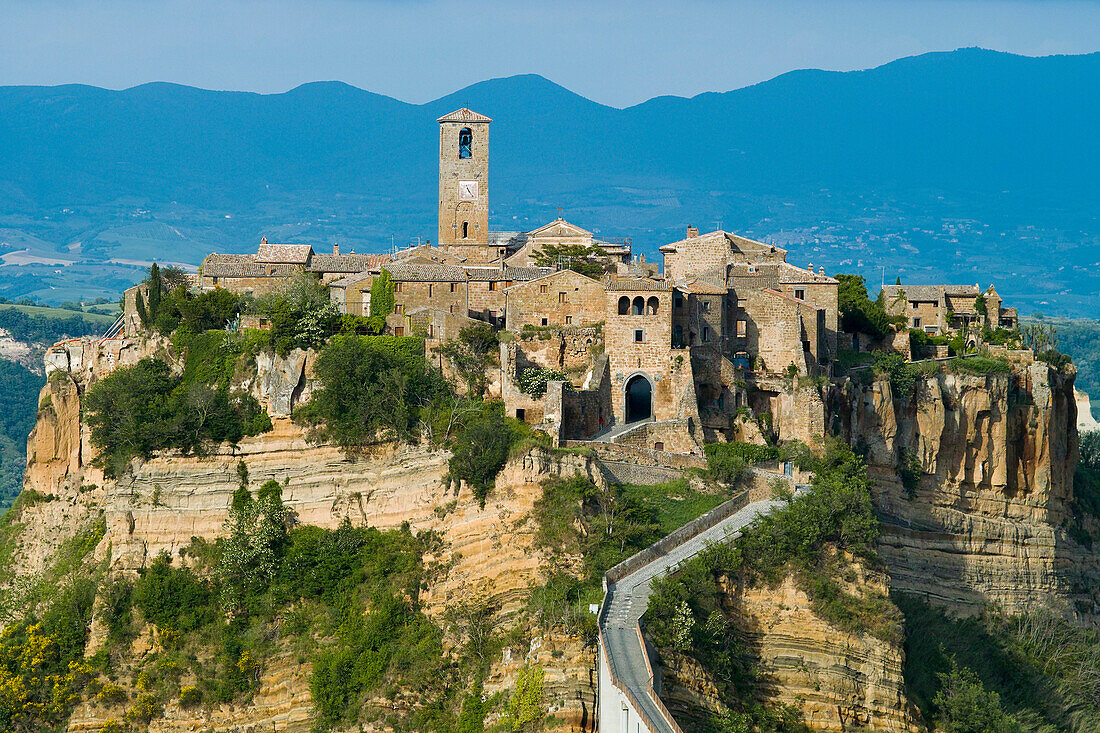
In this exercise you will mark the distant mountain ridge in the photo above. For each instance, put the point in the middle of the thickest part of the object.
(981, 131)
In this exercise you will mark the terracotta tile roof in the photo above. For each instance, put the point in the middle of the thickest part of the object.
(634, 284)
(425, 272)
(928, 293)
(216, 265)
(791, 275)
(351, 279)
(464, 115)
(347, 263)
(701, 287)
(487, 274)
(295, 254)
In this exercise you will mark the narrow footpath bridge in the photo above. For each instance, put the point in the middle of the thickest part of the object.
(628, 697)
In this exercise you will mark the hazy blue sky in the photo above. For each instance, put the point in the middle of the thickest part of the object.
(615, 52)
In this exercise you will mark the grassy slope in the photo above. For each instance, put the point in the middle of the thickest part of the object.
(41, 310)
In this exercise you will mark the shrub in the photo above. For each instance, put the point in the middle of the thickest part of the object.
(729, 461)
(524, 708)
(909, 470)
(903, 375)
(979, 366)
(481, 450)
(964, 705)
(533, 380)
(190, 696)
(471, 354)
(172, 597)
(110, 694)
(371, 388)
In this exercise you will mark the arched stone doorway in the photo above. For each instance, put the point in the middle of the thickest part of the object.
(639, 399)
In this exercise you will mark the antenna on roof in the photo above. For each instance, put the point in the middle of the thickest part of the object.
(718, 225)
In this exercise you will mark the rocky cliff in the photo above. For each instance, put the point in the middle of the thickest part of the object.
(837, 680)
(974, 478)
(160, 505)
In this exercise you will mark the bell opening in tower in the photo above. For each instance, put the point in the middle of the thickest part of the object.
(465, 143)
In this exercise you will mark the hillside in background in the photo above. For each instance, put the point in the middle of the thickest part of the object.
(965, 166)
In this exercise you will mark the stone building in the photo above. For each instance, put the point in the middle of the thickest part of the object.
(948, 309)
(558, 299)
(275, 264)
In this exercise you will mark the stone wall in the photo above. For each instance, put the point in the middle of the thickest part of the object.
(563, 298)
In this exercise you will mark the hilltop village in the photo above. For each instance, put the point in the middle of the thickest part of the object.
(666, 358)
(527, 481)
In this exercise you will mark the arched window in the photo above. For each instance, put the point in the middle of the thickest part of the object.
(465, 230)
(651, 306)
(465, 142)
(639, 306)
(624, 306)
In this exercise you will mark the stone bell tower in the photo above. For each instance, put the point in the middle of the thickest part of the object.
(464, 184)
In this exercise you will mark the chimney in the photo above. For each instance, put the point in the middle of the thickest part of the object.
(693, 231)
(821, 271)
(263, 240)
(335, 248)
(641, 258)
(810, 267)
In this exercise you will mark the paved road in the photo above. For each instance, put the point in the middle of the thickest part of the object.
(627, 601)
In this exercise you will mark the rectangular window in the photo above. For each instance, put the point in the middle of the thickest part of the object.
(215, 279)
(800, 293)
(706, 334)
(431, 331)
(568, 320)
(742, 329)
(398, 330)
(678, 301)
(452, 309)
(397, 287)
(544, 322)
(493, 285)
(430, 289)
(916, 323)
(454, 287)
(561, 297)
(544, 288)
(705, 305)
(521, 414)
(399, 308)
(742, 303)
(639, 335)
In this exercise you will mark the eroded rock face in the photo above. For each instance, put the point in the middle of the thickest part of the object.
(161, 504)
(985, 523)
(837, 680)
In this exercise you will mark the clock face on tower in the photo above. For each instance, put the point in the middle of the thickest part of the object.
(467, 190)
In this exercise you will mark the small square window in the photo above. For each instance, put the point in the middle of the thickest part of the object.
(639, 335)
(544, 288)
(568, 320)
(561, 297)
(742, 329)
(800, 293)
(399, 331)
(742, 303)
(454, 287)
(399, 308)
(705, 305)
(431, 331)
(544, 322)
(493, 285)
(706, 334)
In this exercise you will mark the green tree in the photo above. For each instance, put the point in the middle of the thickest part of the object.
(480, 451)
(470, 356)
(524, 710)
(588, 260)
(257, 535)
(858, 313)
(127, 412)
(964, 705)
